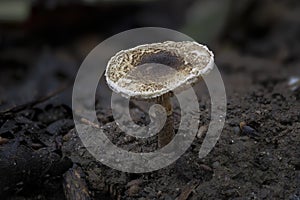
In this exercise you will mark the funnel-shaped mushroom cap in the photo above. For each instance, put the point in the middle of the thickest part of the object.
(151, 70)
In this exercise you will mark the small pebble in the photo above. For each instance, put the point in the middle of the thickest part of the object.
(294, 83)
(159, 193)
(216, 164)
(3, 140)
(133, 190)
(242, 124)
(134, 182)
(129, 138)
(248, 130)
(258, 112)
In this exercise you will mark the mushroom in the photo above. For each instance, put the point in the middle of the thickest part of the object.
(155, 71)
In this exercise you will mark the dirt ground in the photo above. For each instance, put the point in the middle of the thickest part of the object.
(256, 157)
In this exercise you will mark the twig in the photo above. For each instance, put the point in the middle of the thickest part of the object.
(35, 102)
(88, 122)
(188, 190)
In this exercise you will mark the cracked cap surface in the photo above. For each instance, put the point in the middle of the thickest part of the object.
(152, 70)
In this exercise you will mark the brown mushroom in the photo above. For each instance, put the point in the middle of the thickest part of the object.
(154, 71)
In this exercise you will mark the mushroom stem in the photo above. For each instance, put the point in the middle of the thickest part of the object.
(167, 133)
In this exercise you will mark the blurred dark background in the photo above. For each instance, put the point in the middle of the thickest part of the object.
(42, 43)
(256, 45)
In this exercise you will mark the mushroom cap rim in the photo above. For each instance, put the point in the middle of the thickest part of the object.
(180, 86)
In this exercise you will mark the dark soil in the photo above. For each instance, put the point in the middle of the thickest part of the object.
(256, 157)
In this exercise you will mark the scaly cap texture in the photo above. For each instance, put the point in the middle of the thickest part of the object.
(152, 70)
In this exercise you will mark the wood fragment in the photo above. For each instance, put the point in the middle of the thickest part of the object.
(87, 122)
(206, 167)
(75, 187)
(186, 192)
